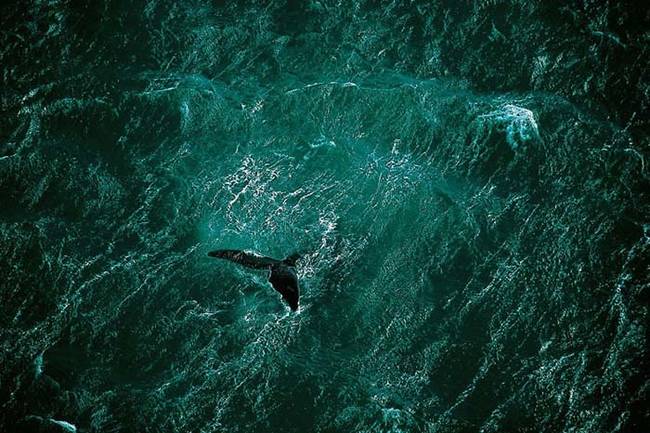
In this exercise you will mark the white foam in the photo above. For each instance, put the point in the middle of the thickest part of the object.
(38, 365)
(519, 124)
(66, 425)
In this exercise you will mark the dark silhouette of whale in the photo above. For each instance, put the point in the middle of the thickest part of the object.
(282, 275)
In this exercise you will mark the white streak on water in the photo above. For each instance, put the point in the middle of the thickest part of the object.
(66, 425)
(38, 365)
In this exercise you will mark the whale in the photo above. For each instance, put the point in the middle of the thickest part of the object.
(282, 273)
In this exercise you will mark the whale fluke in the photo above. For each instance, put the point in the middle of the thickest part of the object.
(282, 273)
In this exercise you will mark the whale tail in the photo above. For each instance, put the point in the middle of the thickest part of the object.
(282, 275)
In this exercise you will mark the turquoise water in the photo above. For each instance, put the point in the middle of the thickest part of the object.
(473, 229)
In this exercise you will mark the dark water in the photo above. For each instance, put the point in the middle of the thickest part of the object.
(467, 182)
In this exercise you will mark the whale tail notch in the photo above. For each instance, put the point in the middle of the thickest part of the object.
(292, 259)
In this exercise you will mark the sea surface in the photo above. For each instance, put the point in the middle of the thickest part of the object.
(466, 182)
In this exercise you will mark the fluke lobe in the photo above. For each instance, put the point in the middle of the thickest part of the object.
(282, 273)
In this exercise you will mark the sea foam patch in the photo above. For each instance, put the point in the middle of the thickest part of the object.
(518, 123)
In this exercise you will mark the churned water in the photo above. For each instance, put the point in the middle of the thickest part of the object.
(467, 184)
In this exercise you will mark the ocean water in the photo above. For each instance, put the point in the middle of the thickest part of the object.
(466, 183)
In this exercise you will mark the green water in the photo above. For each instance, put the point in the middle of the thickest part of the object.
(467, 185)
